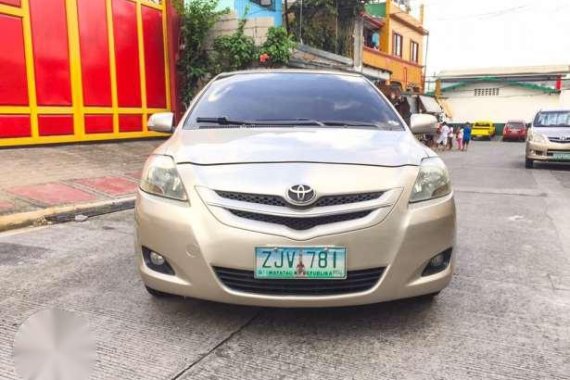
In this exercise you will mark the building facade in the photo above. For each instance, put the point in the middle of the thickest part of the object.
(503, 94)
(83, 70)
(395, 43)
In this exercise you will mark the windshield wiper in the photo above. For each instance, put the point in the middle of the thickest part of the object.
(223, 120)
(351, 123)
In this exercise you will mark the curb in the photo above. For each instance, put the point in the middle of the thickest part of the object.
(63, 214)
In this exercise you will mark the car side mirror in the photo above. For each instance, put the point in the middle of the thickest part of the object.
(161, 122)
(421, 123)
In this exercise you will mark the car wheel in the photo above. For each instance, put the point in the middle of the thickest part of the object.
(156, 293)
(528, 163)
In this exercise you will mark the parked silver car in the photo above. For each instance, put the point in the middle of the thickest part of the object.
(294, 188)
(548, 138)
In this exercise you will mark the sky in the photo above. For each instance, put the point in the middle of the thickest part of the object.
(468, 34)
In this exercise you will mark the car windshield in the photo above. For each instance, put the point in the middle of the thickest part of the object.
(278, 99)
(552, 119)
(516, 125)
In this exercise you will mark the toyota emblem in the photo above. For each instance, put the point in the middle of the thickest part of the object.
(301, 195)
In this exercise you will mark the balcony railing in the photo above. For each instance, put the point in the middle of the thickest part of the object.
(408, 74)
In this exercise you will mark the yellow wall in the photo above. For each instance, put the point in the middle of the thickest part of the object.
(404, 71)
(409, 35)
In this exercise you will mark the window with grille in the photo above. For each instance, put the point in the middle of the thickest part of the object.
(486, 91)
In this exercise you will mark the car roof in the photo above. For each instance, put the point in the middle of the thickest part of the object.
(555, 110)
(289, 71)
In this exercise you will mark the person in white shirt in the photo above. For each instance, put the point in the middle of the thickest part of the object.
(443, 136)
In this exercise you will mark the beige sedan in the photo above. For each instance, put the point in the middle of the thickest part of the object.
(548, 139)
(294, 189)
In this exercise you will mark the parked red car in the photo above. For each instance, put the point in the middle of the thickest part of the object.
(514, 130)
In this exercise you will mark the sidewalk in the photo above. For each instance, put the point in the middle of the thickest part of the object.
(52, 177)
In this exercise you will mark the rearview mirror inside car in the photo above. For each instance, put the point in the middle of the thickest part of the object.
(423, 124)
(161, 122)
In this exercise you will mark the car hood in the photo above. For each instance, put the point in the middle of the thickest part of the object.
(333, 145)
(553, 131)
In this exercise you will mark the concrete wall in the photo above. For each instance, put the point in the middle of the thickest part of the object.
(255, 27)
(512, 103)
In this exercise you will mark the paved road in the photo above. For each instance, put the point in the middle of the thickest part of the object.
(506, 314)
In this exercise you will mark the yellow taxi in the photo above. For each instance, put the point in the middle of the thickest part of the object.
(483, 129)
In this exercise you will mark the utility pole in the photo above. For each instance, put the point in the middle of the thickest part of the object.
(301, 23)
(286, 13)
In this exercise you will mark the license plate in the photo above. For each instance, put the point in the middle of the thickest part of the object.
(300, 263)
(561, 156)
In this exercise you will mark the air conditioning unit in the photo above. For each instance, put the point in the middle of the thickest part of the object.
(266, 3)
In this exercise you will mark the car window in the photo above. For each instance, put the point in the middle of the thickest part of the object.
(516, 125)
(294, 96)
(552, 119)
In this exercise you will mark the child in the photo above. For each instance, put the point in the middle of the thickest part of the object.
(460, 139)
(466, 136)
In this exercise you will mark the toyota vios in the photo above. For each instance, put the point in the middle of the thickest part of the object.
(294, 189)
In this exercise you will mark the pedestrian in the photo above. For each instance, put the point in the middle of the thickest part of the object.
(450, 137)
(466, 136)
(443, 136)
(459, 138)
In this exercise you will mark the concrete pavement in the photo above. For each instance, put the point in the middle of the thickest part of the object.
(506, 314)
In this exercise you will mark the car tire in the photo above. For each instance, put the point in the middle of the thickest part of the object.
(528, 163)
(156, 293)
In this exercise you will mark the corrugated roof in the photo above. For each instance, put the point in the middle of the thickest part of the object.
(376, 9)
(505, 71)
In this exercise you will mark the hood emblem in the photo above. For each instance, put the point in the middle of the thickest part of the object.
(301, 195)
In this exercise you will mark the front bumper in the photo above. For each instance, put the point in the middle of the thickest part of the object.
(514, 136)
(546, 151)
(481, 133)
(194, 241)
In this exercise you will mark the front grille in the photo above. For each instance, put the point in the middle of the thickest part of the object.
(560, 140)
(552, 151)
(270, 200)
(244, 281)
(335, 200)
(275, 200)
(300, 223)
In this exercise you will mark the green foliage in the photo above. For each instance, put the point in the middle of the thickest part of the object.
(235, 51)
(197, 17)
(278, 45)
(326, 24)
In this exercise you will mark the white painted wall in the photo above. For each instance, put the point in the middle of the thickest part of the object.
(513, 103)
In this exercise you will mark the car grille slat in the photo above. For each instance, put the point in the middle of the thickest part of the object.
(560, 140)
(300, 224)
(243, 280)
(324, 201)
(269, 200)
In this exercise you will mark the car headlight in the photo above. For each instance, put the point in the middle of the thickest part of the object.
(161, 178)
(432, 181)
(538, 138)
